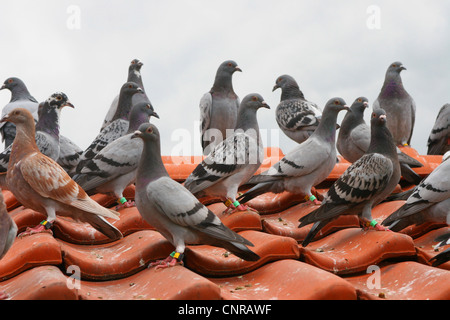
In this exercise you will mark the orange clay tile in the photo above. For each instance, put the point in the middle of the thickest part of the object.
(425, 247)
(238, 221)
(286, 223)
(10, 201)
(354, 250)
(177, 283)
(25, 218)
(30, 252)
(40, 283)
(286, 280)
(269, 203)
(403, 281)
(213, 261)
(119, 259)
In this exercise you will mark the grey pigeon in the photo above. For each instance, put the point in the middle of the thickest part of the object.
(69, 155)
(429, 201)
(116, 129)
(235, 160)
(297, 117)
(307, 165)
(354, 139)
(134, 75)
(114, 167)
(174, 211)
(20, 98)
(444, 256)
(8, 232)
(47, 129)
(399, 105)
(219, 107)
(363, 185)
(439, 140)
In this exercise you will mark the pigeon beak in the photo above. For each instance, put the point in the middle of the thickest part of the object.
(68, 104)
(154, 114)
(237, 69)
(265, 105)
(136, 134)
(4, 119)
(366, 104)
(383, 117)
(346, 107)
(3, 87)
(276, 87)
(140, 90)
(402, 68)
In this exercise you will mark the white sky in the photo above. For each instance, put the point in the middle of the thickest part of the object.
(325, 45)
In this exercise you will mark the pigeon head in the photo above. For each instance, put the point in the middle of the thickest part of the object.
(146, 109)
(396, 68)
(19, 116)
(378, 118)
(229, 67)
(59, 100)
(285, 81)
(141, 113)
(254, 101)
(12, 83)
(336, 104)
(136, 64)
(147, 132)
(360, 105)
(130, 88)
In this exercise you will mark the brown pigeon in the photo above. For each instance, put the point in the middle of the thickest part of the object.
(40, 184)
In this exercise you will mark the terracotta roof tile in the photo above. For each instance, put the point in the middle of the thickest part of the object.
(334, 266)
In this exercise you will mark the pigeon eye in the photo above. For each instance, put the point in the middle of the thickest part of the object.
(230, 64)
(130, 86)
(17, 112)
(149, 130)
(254, 98)
(59, 98)
(10, 81)
(337, 102)
(149, 106)
(394, 65)
(359, 100)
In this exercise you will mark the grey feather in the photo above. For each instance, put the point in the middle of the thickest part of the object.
(439, 140)
(8, 228)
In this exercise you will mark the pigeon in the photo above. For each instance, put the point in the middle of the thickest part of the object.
(439, 140)
(40, 184)
(354, 139)
(8, 231)
(69, 155)
(174, 211)
(219, 107)
(297, 117)
(235, 160)
(47, 129)
(399, 105)
(20, 98)
(429, 201)
(363, 185)
(444, 256)
(134, 75)
(307, 165)
(114, 167)
(117, 128)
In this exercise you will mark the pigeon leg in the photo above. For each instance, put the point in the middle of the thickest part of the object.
(123, 203)
(367, 225)
(170, 261)
(43, 227)
(236, 206)
(313, 199)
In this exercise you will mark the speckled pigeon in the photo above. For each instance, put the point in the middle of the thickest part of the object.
(235, 160)
(40, 184)
(354, 139)
(20, 98)
(399, 105)
(47, 129)
(219, 107)
(134, 75)
(429, 201)
(444, 256)
(363, 185)
(174, 211)
(297, 117)
(307, 165)
(114, 167)
(116, 129)
(439, 140)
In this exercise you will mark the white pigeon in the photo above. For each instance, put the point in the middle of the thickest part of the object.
(234, 160)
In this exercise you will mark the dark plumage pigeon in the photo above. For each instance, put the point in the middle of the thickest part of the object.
(297, 117)
(399, 105)
(40, 184)
(174, 211)
(444, 256)
(354, 139)
(307, 165)
(116, 129)
(134, 75)
(8, 232)
(20, 98)
(439, 140)
(233, 161)
(47, 129)
(429, 201)
(363, 185)
(114, 167)
(219, 107)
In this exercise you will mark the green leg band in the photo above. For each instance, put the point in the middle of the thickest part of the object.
(122, 200)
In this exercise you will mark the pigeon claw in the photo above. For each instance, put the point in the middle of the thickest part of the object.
(38, 229)
(128, 204)
(166, 263)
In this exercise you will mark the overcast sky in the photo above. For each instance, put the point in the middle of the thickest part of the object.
(332, 48)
